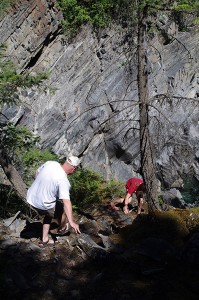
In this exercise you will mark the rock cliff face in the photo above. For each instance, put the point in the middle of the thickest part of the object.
(93, 112)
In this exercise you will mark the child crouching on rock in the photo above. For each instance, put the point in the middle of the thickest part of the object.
(133, 185)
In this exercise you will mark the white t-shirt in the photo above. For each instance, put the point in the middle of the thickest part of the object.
(50, 184)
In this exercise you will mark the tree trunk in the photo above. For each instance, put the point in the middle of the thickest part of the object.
(148, 168)
(15, 179)
(13, 175)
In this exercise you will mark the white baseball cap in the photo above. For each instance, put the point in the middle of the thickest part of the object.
(73, 160)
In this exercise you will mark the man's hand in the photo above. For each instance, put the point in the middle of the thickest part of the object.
(125, 209)
(75, 227)
(69, 213)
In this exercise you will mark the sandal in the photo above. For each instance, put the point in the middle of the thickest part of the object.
(46, 244)
(64, 230)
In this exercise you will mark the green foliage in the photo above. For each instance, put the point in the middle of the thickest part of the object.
(32, 159)
(186, 5)
(35, 157)
(196, 21)
(5, 5)
(190, 190)
(20, 144)
(183, 9)
(170, 225)
(16, 141)
(88, 188)
(151, 4)
(16, 138)
(195, 210)
(21, 148)
(77, 13)
(114, 189)
(11, 81)
(74, 15)
(184, 217)
(100, 13)
(180, 5)
(160, 199)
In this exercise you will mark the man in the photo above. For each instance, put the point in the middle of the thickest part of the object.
(49, 190)
(133, 185)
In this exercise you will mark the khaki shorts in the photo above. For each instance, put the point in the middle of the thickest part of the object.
(49, 212)
(54, 212)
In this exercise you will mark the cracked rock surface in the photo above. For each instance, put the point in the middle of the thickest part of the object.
(105, 261)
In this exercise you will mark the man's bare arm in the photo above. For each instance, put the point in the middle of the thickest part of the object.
(69, 213)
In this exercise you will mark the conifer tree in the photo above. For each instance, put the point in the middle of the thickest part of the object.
(13, 136)
(145, 9)
(137, 14)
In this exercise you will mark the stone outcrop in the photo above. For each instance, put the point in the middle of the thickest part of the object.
(116, 256)
(93, 112)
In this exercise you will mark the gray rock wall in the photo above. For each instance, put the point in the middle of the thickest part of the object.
(93, 112)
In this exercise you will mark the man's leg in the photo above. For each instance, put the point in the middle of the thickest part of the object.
(46, 227)
(47, 218)
(115, 202)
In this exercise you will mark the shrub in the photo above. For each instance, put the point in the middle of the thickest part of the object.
(88, 187)
(170, 226)
(32, 159)
(114, 189)
(76, 13)
(5, 5)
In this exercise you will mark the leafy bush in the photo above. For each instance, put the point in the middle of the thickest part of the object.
(32, 159)
(11, 80)
(21, 148)
(100, 13)
(17, 139)
(77, 13)
(74, 15)
(88, 187)
(5, 5)
(114, 189)
(172, 226)
(190, 189)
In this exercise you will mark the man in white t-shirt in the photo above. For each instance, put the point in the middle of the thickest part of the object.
(50, 186)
